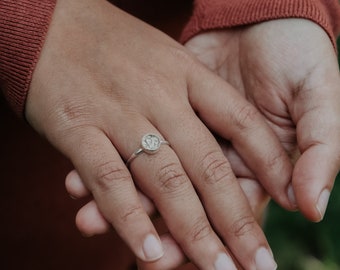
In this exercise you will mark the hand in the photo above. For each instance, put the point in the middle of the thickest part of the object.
(288, 69)
(103, 80)
(90, 221)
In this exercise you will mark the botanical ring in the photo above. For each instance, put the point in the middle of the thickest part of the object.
(150, 144)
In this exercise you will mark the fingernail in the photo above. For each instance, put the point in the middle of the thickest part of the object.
(72, 197)
(152, 248)
(224, 262)
(323, 202)
(264, 260)
(291, 196)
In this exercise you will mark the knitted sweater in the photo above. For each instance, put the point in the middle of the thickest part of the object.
(24, 24)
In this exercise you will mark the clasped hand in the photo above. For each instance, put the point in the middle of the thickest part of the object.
(104, 79)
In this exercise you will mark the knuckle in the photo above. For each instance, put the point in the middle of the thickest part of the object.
(172, 178)
(72, 117)
(131, 213)
(243, 225)
(110, 174)
(216, 168)
(157, 83)
(181, 55)
(275, 159)
(76, 112)
(188, 62)
(201, 229)
(245, 116)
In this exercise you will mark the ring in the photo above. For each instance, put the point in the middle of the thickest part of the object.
(150, 144)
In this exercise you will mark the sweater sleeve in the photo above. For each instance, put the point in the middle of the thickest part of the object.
(218, 14)
(23, 26)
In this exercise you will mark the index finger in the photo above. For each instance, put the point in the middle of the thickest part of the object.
(224, 111)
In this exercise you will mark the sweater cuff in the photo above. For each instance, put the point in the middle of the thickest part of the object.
(219, 14)
(23, 27)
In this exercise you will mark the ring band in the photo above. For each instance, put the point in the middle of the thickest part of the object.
(150, 144)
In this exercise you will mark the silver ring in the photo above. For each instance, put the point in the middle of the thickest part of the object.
(150, 144)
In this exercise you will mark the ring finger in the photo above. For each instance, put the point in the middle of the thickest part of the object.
(162, 178)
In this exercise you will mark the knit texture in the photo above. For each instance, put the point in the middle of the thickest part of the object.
(23, 26)
(218, 14)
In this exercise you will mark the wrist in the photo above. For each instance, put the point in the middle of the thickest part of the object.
(23, 27)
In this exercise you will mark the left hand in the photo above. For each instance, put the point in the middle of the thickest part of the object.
(88, 114)
(288, 69)
(90, 221)
(290, 74)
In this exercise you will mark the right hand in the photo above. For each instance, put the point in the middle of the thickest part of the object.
(103, 80)
(291, 75)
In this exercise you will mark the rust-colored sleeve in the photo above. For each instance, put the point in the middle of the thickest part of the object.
(218, 14)
(23, 27)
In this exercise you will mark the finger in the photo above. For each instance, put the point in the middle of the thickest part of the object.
(256, 196)
(316, 112)
(89, 215)
(240, 169)
(224, 201)
(90, 221)
(229, 115)
(76, 188)
(163, 179)
(108, 179)
(75, 185)
(218, 188)
(173, 256)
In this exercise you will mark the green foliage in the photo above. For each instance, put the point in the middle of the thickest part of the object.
(302, 245)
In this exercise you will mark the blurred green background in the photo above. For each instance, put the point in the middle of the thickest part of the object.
(302, 245)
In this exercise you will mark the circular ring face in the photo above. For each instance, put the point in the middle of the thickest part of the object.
(151, 143)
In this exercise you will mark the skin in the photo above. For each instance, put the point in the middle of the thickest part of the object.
(90, 221)
(291, 75)
(102, 81)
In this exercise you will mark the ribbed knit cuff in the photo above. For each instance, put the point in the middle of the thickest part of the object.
(23, 26)
(218, 14)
